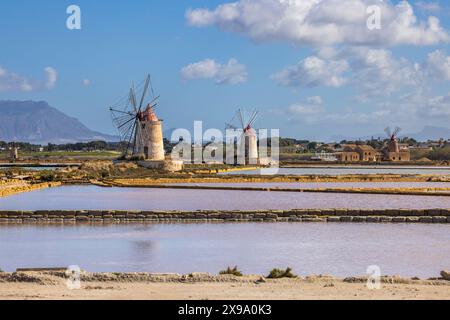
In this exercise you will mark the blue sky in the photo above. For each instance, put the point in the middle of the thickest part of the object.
(207, 64)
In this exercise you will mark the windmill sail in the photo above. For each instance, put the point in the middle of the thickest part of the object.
(247, 142)
(139, 128)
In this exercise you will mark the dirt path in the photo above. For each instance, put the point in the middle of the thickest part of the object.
(54, 288)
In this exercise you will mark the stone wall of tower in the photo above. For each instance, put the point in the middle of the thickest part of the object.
(402, 156)
(153, 147)
(251, 149)
(394, 146)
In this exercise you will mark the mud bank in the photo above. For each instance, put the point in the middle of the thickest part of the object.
(269, 216)
(442, 192)
(19, 187)
(52, 276)
(52, 285)
(267, 179)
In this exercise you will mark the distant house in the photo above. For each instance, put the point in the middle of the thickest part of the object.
(396, 152)
(366, 153)
(348, 154)
(421, 146)
(358, 153)
(324, 156)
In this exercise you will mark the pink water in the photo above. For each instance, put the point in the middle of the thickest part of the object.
(338, 249)
(317, 185)
(97, 198)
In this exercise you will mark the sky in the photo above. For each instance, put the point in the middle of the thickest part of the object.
(314, 69)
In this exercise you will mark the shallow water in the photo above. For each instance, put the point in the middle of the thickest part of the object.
(319, 185)
(97, 198)
(356, 170)
(337, 249)
(32, 168)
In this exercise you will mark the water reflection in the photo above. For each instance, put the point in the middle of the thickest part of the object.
(319, 185)
(97, 198)
(338, 249)
(357, 170)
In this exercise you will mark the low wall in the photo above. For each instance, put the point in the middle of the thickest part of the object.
(426, 191)
(304, 215)
(20, 188)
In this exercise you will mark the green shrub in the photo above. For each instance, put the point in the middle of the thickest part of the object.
(233, 271)
(104, 173)
(278, 274)
(439, 154)
(137, 157)
(47, 176)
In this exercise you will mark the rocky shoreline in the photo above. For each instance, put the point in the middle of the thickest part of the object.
(52, 277)
(438, 216)
(17, 186)
(203, 286)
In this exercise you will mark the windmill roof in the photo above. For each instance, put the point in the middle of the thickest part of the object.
(365, 147)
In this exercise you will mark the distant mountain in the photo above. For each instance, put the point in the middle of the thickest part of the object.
(39, 123)
(167, 134)
(427, 133)
(431, 133)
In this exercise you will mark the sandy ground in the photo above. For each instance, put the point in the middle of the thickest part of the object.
(54, 288)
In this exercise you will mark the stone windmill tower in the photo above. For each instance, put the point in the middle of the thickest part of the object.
(394, 152)
(393, 145)
(248, 141)
(140, 129)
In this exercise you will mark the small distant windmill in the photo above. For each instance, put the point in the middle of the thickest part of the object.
(14, 153)
(393, 145)
(248, 141)
(139, 128)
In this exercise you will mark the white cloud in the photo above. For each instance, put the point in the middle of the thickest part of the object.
(52, 77)
(410, 111)
(315, 100)
(319, 115)
(438, 106)
(308, 112)
(437, 65)
(312, 72)
(321, 22)
(10, 81)
(378, 72)
(86, 82)
(372, 72)
(304, 110)
(428, 6)
(230, 73)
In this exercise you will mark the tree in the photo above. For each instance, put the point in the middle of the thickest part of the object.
(312, 146)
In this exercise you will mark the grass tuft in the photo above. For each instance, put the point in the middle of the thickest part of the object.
(233, 271)
(278, 274)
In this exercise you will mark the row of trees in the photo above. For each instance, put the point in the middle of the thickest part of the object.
(21, 145)
(438, 153)
(81, 146)
(87, 146)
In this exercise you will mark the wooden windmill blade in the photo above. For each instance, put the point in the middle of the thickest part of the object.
(140, 141)
(388, 132)
(241, 117)
(230, 126)
(154, 102)
(125, 122)
(253, 118)
(144, 92)
(151, 87)
(136, 127)
(132, 138)
(133, 99)
(397, 131)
